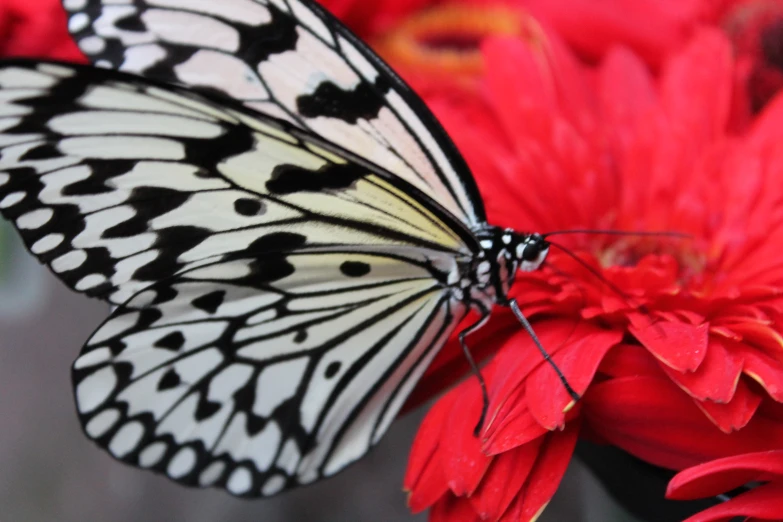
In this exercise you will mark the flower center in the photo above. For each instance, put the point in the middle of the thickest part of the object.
(684, 256)
(444, 42)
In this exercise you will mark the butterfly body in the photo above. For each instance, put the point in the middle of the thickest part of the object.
(287, 235)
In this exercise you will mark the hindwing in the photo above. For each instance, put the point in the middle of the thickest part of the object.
(261, 374)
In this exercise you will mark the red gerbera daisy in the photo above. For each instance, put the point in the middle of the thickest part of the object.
(764, 502)
(684, 366)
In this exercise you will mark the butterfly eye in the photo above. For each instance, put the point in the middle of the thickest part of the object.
(531, 251)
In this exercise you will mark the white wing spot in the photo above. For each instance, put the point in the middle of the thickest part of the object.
(126, 439)
(90, 281)
(69, 261)
(78, 22)
(93, 357)
(212, 473)
(12, 199)
(47, 243)
(102, 423)
(240, 481)
(274, 485)
(152, 454)
(95, 389)
(4, 177)
(74, 5)
(92, 44)
(35, 218)
(182, 463)
(104, 64)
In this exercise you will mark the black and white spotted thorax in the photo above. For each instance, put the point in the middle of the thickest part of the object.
(487, 278)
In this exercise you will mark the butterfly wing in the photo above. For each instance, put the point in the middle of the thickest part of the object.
(255, 380)
(277, 301)
(289, 59)
(117, 183)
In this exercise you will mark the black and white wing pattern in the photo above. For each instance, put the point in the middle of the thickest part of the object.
(289, 59)
(261, 374)
(276, 300)
(117, 183)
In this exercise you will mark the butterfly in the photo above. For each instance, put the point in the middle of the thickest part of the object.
(286, 234)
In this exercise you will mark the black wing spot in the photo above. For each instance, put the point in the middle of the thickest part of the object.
(329, 100)
(277, 242)
(41, 152)
(210, 302)
(332, 369)
(169, 380)
(248, 207)
(300, 336)
(172, 341)
(290, 179)
(206, 409)
(130, 23)
(355, 268)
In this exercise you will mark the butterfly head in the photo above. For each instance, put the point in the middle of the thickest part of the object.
(531, 251)
(509, 251)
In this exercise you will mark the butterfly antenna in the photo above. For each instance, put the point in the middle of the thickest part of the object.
(609, 232)
(475, 369)
(527, 326)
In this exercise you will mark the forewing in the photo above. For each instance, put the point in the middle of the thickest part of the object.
(115, 182)
(258, 375)
(292, 60)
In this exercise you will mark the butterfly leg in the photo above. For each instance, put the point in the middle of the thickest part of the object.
(474, 367)
(526, 325)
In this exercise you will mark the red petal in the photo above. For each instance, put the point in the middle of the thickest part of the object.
(515, 425)
(654, 420)
(453, 509)
(424, 477)
(504, 479)
(680, 346)
(762, 503)
(763, 369)
(547, 397)
(706, 67)
(630, 359)
(722, 475)
(461, 457)
(737, 413)
(546, 475)
(717, 376)
(627, 92)
(652, 29)
(519, 357)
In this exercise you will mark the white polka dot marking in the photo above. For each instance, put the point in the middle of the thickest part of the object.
(182, 463)
(240, 481)
(35, 218)
(211, 473)
(101, 423)
(47, 243)
(126, 439)
(152, 454)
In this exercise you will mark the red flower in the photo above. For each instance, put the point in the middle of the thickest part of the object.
(688, 366)
(36, 29)
(763, 502)
(368, 19)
